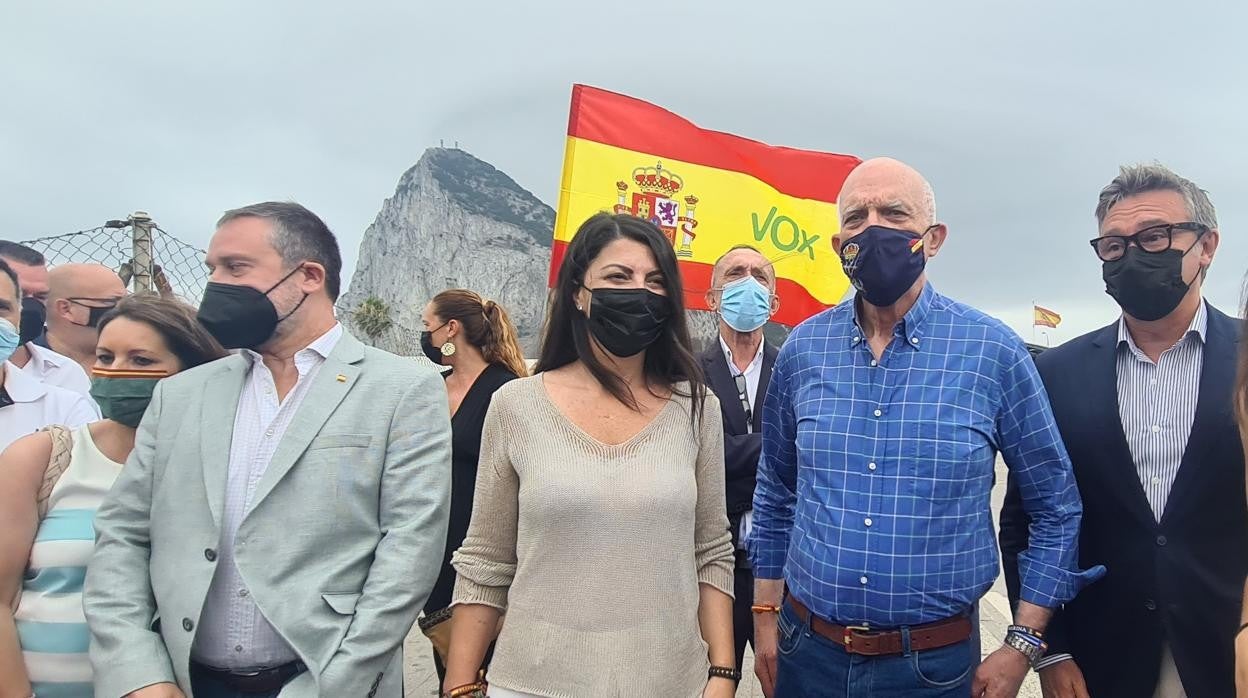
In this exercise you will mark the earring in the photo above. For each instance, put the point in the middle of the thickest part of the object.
(578, 307)
(448, 349)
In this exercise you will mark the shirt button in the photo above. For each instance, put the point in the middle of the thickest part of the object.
(188, 625)
(914, 341)
(1153, 382)
(871, 466)
(868, 523)
(210, 555)
(1156, 480)
(269, 432)
(1161, 540)
(238, 648)
(1156, 428)
(874, 363)
(242, 593)
(879, 413)
(862, 580)
(1150, 605)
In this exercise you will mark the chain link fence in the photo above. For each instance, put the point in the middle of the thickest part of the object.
(177, 268)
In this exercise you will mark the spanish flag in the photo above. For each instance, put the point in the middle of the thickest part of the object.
(1046, 318)
(707, 191)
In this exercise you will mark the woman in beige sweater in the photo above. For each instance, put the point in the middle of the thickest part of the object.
(598, 523)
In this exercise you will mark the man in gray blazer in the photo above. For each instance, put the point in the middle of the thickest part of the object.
(283, 514)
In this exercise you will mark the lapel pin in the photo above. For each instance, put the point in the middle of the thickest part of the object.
(342, 378)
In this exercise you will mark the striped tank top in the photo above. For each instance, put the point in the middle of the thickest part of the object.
(51, 626)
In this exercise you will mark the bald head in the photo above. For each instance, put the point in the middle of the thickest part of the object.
(84, 281)
(888, 192)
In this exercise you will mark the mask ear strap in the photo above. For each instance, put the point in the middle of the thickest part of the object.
(283, 280)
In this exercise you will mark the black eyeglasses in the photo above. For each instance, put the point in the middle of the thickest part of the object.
(744, 397)
(1158, 238)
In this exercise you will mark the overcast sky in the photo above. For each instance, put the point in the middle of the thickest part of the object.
(1017, 114)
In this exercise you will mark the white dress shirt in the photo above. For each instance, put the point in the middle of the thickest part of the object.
(36, 405)
(47, 366)
(233, 634)
(753, 375)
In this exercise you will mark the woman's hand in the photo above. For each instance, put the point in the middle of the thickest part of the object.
(718, 687)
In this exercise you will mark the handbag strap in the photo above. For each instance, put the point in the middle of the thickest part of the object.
(62, 447)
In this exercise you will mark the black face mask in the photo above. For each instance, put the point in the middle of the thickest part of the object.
(433, 353)
(1147, 285)
(34, 315)
(627, 320)
(94, 313)
(241, 317)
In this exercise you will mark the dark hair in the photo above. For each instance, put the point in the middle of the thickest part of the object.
(1241, 385)
(567, 339)
(22, 254)
(174, 321)
(8, 270)
(298, 236)
(486, 326)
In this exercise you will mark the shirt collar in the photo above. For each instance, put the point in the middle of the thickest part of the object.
(46, 357)
(21, 387)
(913, 324)
(758, 356)
(1200, 323)
(305, 358)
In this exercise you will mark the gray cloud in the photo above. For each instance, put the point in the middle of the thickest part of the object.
(1018, 115)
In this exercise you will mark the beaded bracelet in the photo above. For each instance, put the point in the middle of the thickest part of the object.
(763, 608)
(723, 672)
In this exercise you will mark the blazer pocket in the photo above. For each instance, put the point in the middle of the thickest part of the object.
(342, 602)
(324, 441)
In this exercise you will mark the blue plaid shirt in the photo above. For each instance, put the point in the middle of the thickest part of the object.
(873, 497)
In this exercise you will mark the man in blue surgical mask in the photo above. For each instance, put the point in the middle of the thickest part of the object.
(881, 427)
(738, 367)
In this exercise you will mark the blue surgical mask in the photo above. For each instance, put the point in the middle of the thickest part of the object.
(10, 340)
(745, 305)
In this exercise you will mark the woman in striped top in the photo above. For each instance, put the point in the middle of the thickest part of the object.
(43, 633)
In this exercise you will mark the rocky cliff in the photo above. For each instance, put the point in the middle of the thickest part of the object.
(455, 221)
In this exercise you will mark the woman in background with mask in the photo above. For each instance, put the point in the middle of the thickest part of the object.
(46, 522)
(599, 522)
(476, 339)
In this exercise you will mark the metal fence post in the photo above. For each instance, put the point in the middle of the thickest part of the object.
(141, 229)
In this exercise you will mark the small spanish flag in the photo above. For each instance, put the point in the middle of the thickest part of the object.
(1046, 318)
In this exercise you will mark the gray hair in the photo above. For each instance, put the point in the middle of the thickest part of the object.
(929, 202)
(298, 236)
(1143, 178)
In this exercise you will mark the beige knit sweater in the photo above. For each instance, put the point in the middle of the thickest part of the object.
(596, 551)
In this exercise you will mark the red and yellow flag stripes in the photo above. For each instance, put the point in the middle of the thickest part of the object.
(707, 191)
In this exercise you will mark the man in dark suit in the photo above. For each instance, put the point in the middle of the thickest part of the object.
(738, 367)
(1144, 406)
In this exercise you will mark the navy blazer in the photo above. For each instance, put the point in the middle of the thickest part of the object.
(1178, 581)
(741, 449)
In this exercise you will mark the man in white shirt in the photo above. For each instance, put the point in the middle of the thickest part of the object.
(27, 405)
(738, 367)
(33, 358)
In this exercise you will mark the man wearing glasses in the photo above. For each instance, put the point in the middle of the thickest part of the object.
(1144, 406)
(78, 297)
(738, 368)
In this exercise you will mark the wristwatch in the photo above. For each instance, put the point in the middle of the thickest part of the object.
(1030, 646)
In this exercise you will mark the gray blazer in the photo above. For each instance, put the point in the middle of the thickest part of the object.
(340, 548)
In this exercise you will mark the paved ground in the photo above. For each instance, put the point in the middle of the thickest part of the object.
(421, 681)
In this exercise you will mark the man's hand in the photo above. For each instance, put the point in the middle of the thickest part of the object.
(766, 642)
(158, 690)
(718, 687)
(1063, 680)
(1241, 664)
(1000, 675)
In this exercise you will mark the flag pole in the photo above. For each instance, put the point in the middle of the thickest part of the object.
(1033, 321)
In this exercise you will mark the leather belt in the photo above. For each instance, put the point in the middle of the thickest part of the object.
(262, 681)
(880, 643)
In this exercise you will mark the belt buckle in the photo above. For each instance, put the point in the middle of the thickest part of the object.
(848, 636)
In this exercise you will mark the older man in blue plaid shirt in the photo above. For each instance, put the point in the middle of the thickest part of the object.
(881, 427)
